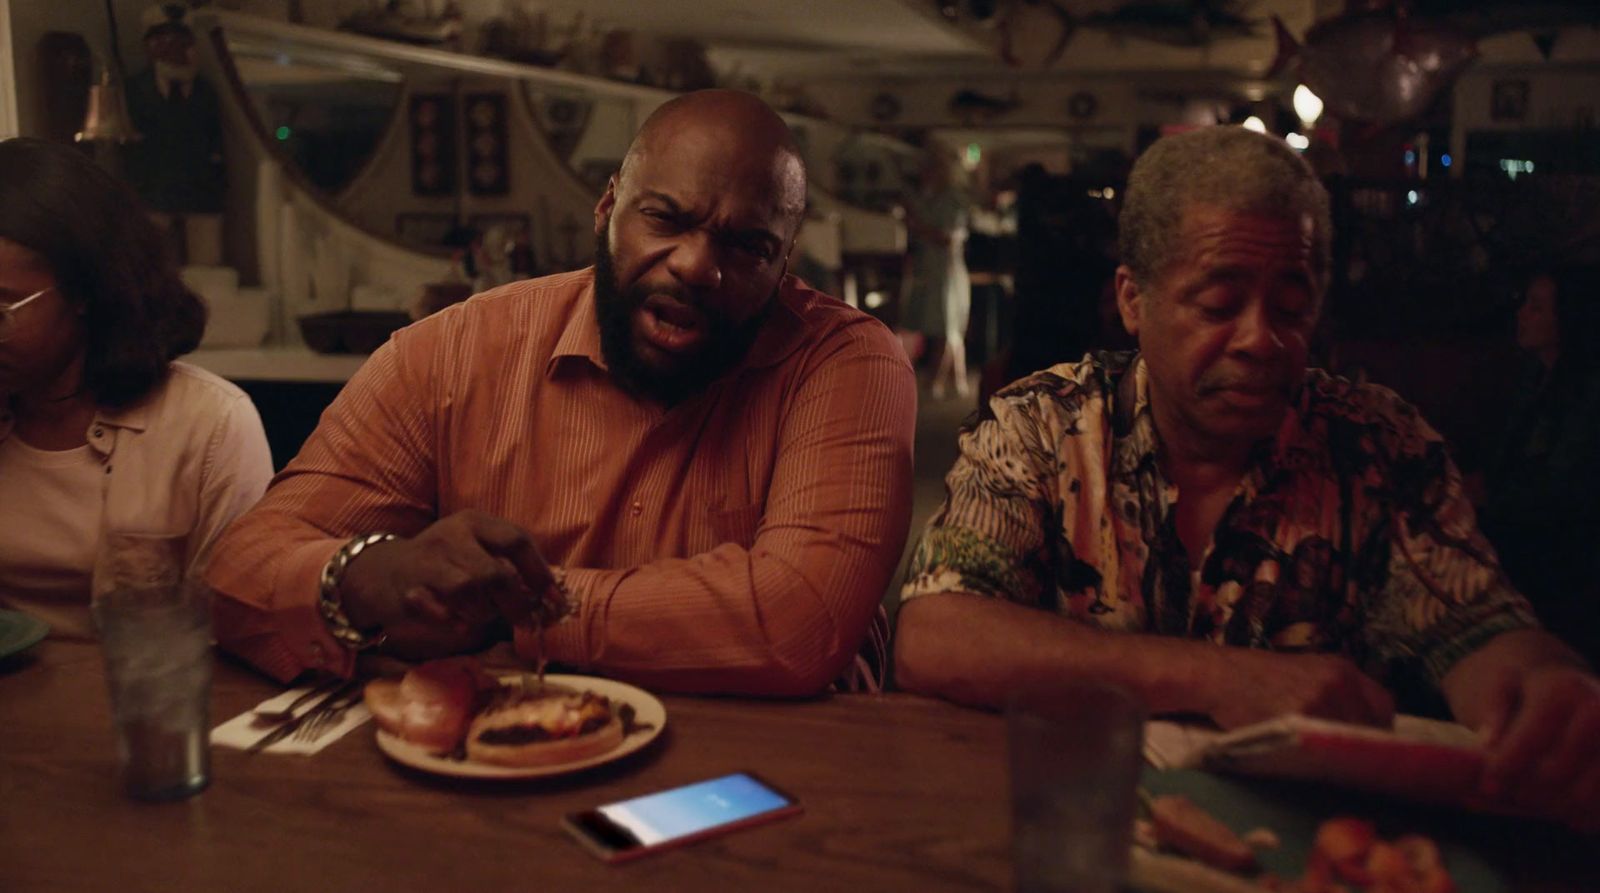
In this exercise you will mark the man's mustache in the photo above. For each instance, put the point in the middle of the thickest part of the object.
(1227, 380)
(640, 293)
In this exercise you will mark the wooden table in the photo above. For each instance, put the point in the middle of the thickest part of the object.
(900, 793)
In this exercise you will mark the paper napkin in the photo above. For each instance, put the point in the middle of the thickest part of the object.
(244, 730)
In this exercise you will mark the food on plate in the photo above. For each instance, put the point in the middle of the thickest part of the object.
(1349, 850)
(1262, 839)
(1341, 848)
(1348, 854)
(454, 707)
(1185, 827)
(433, 704)
(540, 731)
(1144, 834)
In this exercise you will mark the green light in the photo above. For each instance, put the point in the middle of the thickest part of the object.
(282, 133)
(974, 154)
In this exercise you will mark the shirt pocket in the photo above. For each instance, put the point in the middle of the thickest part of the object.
(736, 525)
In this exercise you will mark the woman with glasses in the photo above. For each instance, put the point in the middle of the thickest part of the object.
(99, 428)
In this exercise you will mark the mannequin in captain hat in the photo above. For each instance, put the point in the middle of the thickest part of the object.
(176, 164)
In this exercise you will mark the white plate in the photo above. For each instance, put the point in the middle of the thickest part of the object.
(649, 718)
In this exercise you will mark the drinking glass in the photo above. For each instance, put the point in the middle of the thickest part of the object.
(1075, 753)
(155, 633)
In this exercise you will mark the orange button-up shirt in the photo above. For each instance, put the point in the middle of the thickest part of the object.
(738, 542)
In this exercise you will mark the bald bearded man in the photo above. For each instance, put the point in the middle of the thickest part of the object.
(705, 460)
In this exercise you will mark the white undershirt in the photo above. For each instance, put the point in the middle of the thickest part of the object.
(53, 501)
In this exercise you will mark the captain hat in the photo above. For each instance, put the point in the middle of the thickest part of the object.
(164, 17)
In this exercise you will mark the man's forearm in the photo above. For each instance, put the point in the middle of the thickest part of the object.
(731, 621)
(364, 470)
(978, 651)
(264, 574)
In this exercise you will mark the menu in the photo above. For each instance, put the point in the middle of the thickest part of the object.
(1418, 759)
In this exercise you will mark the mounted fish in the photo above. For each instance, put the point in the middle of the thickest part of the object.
(1379, 67)
(1189, 25)
(1035, 33)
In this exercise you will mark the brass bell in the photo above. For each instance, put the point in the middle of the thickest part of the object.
(107, 119)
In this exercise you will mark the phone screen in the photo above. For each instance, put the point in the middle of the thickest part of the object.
(692, 812)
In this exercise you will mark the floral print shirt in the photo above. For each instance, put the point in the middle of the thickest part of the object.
(1350, 532)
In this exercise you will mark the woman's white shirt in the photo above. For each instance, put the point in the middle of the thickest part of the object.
(51, 501)
(187, 459)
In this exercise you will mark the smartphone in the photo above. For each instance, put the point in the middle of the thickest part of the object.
(632, 828)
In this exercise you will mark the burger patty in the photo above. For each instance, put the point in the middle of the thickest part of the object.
(530, 734)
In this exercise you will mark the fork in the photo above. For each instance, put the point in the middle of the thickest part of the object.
(289, 727)
(284, 714)
(327, 715)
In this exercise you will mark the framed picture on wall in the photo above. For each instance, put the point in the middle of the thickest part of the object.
(562, 118)
(433, 144)
(488, 170)
(1509, 100)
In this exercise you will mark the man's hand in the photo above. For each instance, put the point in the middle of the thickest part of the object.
(1538, 707)
(1252, 686)
(1544, 743)
(440, 591)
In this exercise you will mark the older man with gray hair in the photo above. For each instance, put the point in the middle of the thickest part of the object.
(1213, 526)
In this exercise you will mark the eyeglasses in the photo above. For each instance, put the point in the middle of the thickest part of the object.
(8, 312)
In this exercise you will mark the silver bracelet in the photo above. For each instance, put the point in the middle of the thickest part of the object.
(331, 605)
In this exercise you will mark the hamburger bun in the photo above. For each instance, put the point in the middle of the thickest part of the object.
(432, 706)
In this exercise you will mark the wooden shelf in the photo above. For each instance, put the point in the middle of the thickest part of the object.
(270, 37)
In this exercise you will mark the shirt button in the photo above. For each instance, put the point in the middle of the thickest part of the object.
(318, 655)
(638, 508)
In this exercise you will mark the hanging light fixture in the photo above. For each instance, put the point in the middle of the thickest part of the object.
(107, 119)
(1307, 105)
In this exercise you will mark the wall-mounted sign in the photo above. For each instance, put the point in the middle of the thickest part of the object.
(563, 120)
(433, 144)
(488, 171)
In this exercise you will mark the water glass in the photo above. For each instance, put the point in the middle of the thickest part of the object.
(1075, 754)
(155, 633)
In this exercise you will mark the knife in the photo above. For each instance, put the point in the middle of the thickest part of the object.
(289, 727)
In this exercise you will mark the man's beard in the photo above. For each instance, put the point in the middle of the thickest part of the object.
(725, 345)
